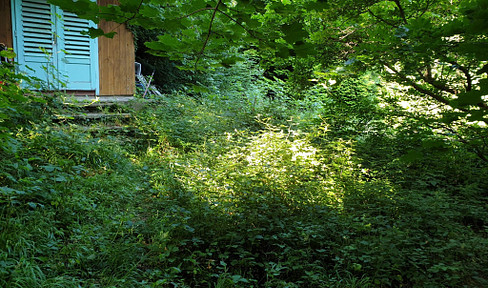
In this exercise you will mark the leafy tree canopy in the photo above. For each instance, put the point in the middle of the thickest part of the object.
(435, 47)
(438, 48)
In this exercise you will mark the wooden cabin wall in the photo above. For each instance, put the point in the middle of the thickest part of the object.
(116, 58)
(5, 23)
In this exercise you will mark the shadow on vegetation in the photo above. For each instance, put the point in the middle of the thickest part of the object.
(285, 208)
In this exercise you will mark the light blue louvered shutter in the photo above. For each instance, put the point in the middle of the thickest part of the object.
(49, 46)
(35, 32)
(79, 53)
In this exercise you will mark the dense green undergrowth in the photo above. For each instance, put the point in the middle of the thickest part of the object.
(231, 189)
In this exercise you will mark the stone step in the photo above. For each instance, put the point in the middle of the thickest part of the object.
(92, 116)
(94, 102)
(109, 128)
(101, 129)
(100, 99)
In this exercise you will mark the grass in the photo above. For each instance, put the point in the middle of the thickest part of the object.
(227, 192)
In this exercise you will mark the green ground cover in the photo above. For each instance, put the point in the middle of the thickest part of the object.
(229, 188)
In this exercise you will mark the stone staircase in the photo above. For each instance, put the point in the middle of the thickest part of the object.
(104, 114)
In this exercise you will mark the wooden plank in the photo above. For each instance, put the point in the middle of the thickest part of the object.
(116, 58)
(5, 23)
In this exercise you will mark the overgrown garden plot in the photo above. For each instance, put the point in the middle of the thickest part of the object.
(237, 190)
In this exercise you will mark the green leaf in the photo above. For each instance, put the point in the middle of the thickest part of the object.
(60, 178)
(169, 40)
(294, 32)
(10, 192)
(97, 32)
(477, 115)
(304, 49)
(165, 42)
(478, 49)
(469, 98)
(150, 11)
(190, 33)
(32, 205)
(228, 61)
(319, 5)
(484, 69)
(85, 9)
(283, 52)
(50, 168)
(448, 118)
(7, 54)
(245, 7)
(193, 6)
(129, 5)
(199, 89)
(412, 156)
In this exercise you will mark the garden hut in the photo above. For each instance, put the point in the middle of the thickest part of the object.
(50, 46)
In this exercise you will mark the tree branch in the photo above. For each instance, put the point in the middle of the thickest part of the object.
(469, 80)
(476, 150)
(423, 11)
(195, 12)
(352, 32)
(417, 87)
(240, 25)
(381, 19)
(427, 77)
(135, 13)
(402, 12)
(127, 19)
(209, 30)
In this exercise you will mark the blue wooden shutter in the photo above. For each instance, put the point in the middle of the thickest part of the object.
(79, 57)
(50, 46)
(35, 30)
